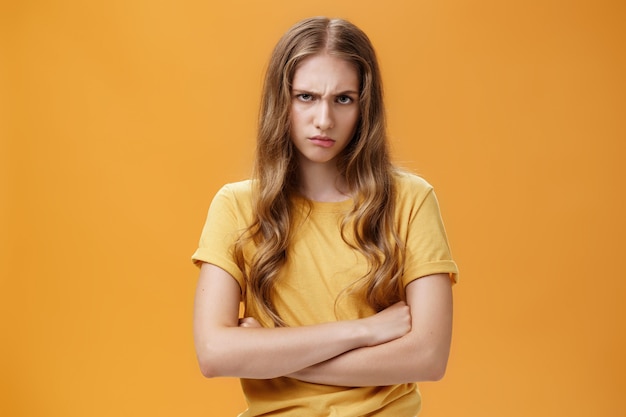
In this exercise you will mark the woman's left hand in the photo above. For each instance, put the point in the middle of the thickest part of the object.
(249, 322)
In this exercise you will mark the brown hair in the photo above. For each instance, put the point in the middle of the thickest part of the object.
(365, 164)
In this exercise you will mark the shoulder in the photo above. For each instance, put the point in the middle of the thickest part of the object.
(236, 191)
(235, 196)
(411, 187)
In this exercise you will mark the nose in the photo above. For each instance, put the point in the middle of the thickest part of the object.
(323, 116)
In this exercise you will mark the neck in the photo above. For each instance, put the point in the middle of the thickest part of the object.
(322, 182)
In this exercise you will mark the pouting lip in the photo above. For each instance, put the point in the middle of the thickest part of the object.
(320, 137)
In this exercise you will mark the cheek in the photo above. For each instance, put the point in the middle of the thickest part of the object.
(295, 117)
(295, 123)
(354, 121)
(301, 121)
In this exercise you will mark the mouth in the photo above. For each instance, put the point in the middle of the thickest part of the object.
(323, 141)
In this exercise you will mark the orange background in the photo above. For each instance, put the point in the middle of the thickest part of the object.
(120, 119)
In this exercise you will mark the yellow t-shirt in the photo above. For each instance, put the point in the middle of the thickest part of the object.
(319, 266)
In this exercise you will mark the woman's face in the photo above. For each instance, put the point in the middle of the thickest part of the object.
(324, 107)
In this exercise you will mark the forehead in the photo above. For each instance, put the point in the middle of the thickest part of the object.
(325, 72)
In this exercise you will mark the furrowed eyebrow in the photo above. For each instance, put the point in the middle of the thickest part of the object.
(342, 93)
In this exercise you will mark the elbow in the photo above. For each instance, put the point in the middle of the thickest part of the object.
(437, 365)
(212, 368)
(207, 368)
(432, 367)
(210, 364)
(436, 371)
(434, 360)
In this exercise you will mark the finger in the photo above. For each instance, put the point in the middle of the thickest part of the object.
(249, 322)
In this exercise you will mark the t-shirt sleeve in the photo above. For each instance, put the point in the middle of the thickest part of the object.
(427, 248)
(222, 228)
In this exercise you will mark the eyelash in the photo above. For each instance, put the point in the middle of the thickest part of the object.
(309, 97)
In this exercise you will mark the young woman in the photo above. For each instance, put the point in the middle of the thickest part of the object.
(340, 259)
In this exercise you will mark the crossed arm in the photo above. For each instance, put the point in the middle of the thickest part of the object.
(406, 342)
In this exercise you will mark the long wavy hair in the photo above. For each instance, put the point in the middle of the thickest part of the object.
(364, 163)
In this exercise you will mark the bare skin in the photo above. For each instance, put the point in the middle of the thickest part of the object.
(407, 342)
(397, 346)
(270, 352)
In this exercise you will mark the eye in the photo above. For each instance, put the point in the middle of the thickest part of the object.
(304, 97)
(344, 100)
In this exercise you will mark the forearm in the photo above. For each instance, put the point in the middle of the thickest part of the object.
(419, 355)
(224, 348)
(261, 353)
(403, 360)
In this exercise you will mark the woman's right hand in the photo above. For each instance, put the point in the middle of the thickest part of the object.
(388, 324)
